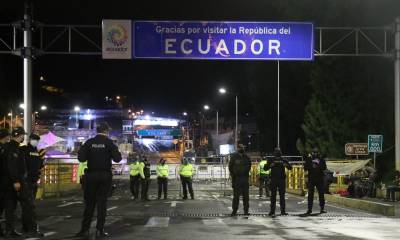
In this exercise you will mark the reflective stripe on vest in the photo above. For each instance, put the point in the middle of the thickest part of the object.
(186, 170)
(261, 168)
(162, 170)
(135, 168)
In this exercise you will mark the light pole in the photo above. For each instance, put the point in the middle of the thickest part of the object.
(223, 91)
(11, 120)
(76, 109)
(206, 107)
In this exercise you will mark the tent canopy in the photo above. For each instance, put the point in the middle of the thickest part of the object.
(345, 168)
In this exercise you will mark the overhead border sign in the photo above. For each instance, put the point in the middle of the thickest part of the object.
(223, 40)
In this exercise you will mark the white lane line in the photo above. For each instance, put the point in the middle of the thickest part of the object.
(49, 234)
(69, 204)
(112, 208)
(157, 222)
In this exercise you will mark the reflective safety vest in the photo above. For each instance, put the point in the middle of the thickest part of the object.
(81, 170)
(186, 170)
(136, 169)
(162, 171)
(261, 170)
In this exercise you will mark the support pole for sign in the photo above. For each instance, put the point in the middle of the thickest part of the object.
(27, 69)
(216, 138)
(374, 160)
(397, 91)
(278, 110)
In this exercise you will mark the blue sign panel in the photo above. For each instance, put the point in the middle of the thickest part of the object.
(223, 40)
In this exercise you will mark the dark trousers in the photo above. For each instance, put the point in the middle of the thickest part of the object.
(319, 184)
(1, 205)
(240, 188)
(33, 186)
(96, 189)
(391, 192)
(187, 184)
(134, 184)
(24, 197)
(145, 188)
(162, 187)
(278, 185)
(264, 184)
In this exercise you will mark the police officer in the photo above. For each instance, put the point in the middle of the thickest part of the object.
(162, 171)
(239, 168)
(34, 163)
(315, 165)
(136, 174)
(278, 180)
(4, 138)
(99, 152)
(263, 178)
(145, 182)
(17, 188)
(186, 172)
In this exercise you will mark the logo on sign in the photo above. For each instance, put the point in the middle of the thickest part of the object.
(117, 35)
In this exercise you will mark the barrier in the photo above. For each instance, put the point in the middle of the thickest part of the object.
(58, 176)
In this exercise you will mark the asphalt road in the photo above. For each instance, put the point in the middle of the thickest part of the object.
(208, 217)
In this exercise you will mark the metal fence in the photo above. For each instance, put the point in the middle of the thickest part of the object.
(211, 174)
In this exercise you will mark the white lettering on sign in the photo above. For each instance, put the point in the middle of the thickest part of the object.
(260, 47)
(239, 42)
(240, 47)
(207, 49)
(168, 44)
(185, 51)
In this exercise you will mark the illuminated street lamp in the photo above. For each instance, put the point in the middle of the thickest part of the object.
(206, 107)
(76, 109)
(223, 91)
(185, 114)
(43, 108)
(22, 106)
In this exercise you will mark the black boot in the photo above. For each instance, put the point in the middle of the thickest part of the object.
(309, 211)
(234, 213)
(322, 210)
(101, 234)
(82, 234)
(271, 214)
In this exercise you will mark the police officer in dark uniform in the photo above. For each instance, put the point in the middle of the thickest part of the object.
(4, 138)
(17, 188)
(145, 165)
(34, 163)
(315, 164)
(99, 152)
(239, 168)
(278, 180)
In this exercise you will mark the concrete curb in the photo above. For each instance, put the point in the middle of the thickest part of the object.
(368, 206)
(360, 204)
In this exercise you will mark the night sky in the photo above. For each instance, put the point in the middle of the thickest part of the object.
(165, 85)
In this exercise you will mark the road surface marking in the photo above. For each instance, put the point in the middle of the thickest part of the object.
(157, 222)
(46, 235)
(112, 208)
(173, 203)
(69, 204)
